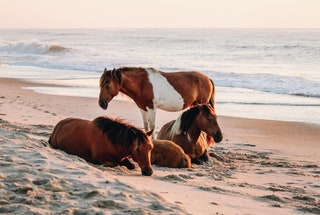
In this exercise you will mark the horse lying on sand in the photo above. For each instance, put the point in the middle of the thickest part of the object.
(166, 153)
(151, 89)
(186, 131)
(104, 141)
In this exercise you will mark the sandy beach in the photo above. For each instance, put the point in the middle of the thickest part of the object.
(261, 166)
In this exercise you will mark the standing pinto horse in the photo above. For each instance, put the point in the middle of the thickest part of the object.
(151, 89)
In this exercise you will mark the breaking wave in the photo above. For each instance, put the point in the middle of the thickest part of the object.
(31, 47)
(269, 83)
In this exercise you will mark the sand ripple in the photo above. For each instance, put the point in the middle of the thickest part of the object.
(36, 179)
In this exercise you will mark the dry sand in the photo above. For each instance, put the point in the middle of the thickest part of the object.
(261, 166)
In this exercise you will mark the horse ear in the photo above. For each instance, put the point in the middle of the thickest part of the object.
(105, 70)
(118, 75)
(113, 72)
(150, 132)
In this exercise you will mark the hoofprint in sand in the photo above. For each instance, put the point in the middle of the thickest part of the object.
(261, 167)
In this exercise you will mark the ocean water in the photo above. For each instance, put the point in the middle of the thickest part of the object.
(259, 73)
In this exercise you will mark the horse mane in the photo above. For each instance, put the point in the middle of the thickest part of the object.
(116, 74)
(120, 132)
(125, 69)
(185, 120)
(175, 127)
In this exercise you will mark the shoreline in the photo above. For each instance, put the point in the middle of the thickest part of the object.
(263, 166)
(29, 85)
(232, 101)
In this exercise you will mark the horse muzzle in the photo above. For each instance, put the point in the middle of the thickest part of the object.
(146, 172)
(104, 103)
(217, 137)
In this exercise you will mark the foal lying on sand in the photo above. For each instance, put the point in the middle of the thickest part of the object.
(104, 141)
(166, 153)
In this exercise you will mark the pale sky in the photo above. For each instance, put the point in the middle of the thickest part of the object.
(159, 13)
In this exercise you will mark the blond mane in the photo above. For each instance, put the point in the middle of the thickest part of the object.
(175, 128)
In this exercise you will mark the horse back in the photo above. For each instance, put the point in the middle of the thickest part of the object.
(195, 87)
(73, 136)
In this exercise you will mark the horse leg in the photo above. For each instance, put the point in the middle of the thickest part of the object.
(205, 156)
(196, 161)
(152, 121)
(110, 164)
(127, 164)
(145, 119)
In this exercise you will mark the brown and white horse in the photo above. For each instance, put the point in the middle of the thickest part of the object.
(189, 131)
(104, 141)
(151, 89)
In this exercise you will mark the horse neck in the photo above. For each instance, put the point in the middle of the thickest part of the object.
(130, 84)
(123, 151)
(194, 132)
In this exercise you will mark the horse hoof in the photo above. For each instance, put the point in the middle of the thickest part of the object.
(146, 172)
(195, 161)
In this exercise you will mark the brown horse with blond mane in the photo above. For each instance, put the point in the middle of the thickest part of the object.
(151, 89)
(187, 131)
(104, 141)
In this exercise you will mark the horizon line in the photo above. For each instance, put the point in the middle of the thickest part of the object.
(74, 28)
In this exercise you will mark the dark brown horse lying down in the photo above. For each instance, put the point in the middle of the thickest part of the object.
(166, 153)
(104, 141)
(189, 129)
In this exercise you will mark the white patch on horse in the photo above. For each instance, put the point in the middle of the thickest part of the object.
(165, 96)
(175, 128)
(189, 137)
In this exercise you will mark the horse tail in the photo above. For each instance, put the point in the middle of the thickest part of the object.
(213, 94)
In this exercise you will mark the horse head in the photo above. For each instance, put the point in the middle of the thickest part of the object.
(141, 153)
(110, 83)
(207, 122)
